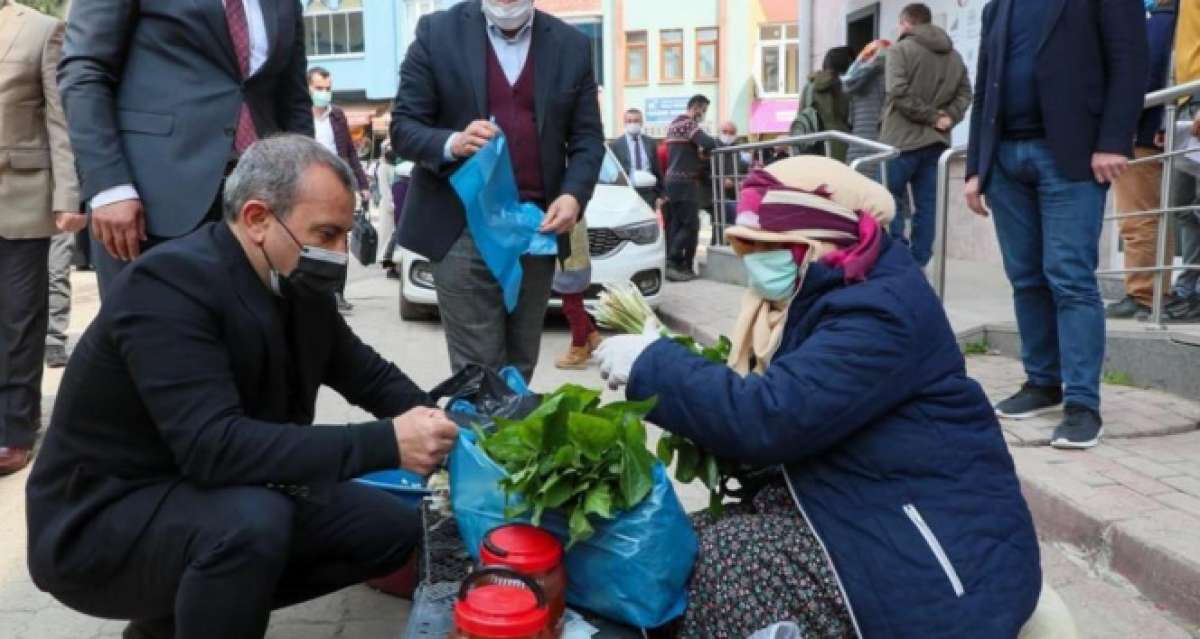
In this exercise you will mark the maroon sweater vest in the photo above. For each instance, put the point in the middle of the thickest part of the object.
(513, 108)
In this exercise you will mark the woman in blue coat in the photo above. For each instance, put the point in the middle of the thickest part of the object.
(895, 511)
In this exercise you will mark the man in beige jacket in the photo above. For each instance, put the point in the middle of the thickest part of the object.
(39, 196)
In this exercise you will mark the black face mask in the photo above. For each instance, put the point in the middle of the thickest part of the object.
(319, 272)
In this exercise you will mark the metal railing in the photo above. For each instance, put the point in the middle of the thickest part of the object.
(881, 154)
(1167, 98)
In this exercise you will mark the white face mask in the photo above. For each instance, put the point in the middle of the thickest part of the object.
(508, 16)
(728, 140)
(633, 128)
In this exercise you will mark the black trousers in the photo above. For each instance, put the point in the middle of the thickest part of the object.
(220, 560)
(683, 232)
(24, 302)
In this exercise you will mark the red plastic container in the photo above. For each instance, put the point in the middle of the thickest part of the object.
(509, 606)
(401, 583)
(535, 553)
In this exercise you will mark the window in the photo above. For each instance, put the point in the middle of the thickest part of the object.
(415, 10)
(778, 69)
(670, 64)
(707, 50)
(333, 27)
(594, 30)
(635, 58)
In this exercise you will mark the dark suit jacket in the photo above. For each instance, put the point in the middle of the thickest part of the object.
(443, 88)
(178, 380)
(1091, 79)
(152, 93)
(620, 148)
(345, 146)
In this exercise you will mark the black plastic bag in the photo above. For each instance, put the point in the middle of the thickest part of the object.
(487, 391)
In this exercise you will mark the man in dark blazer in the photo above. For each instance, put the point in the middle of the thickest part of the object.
(637, 151)
(181, 483)
(1058, 92)
(163, 95)
(531, 73)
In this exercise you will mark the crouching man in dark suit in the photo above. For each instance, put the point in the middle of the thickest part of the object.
(180, 484)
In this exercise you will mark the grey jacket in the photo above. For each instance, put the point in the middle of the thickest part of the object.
(864, 83)
(152, 92)
(926, 77)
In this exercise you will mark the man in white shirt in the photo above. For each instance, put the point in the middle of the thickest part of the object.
(638, 152)
(162, 100)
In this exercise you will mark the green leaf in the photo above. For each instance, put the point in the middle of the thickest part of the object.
(636, 477)
(514, 511)
(639, 409)
(599, 502)
(579, 527)
(688, 464)
(566, 456)
(715, 507)
(666, 450)
(593, 435)
(554, 496)
(635, 432)
(578, 399)
(712, 474)
(507, 448)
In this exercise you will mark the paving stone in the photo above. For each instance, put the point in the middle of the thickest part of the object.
(1138, 482)
(1148, 467)
(1180, 501)
(1187, 484)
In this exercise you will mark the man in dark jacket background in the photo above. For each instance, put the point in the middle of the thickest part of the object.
(637, 151)
(166, 95)
(1058, 92)
(686, 173)
(532, 74)
(332, 130)
(928, 92)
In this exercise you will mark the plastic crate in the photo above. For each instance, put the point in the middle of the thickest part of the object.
(431, 616)
(444, 557)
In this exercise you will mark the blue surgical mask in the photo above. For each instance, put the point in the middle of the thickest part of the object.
(322, 99)
(772, 274)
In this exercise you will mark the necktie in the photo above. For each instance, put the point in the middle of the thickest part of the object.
(637, 153)
(239, 32)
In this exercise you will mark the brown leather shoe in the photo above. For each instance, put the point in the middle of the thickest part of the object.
(575, 359)
(13, 460)
(594, 341)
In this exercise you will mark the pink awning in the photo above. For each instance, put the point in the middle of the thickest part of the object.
(773, 115)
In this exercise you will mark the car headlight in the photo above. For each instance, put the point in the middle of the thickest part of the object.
(639, 233)
(421, 274)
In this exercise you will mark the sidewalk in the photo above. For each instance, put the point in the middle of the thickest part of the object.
(1130, 508)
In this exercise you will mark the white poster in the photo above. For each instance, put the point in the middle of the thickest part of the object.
(964, 23)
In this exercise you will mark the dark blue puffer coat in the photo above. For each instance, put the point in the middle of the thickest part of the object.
(893, 454)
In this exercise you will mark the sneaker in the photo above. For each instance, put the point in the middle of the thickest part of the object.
(1081, 428)
(1030, 401)
(675, 274)
(1125, 309)
(56, 356)
(1186, 313)
(344, 307)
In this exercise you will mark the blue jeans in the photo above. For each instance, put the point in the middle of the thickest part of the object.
(1049, 232)
(919, 168)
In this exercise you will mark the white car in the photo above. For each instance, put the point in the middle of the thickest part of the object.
(625, 238)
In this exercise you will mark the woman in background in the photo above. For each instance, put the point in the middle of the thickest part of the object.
(824, 92)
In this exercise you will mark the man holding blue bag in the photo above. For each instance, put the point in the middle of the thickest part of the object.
(526, 74)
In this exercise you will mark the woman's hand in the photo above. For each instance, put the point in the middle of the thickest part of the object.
(618, 354)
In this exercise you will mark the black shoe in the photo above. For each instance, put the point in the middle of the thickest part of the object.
(675, 274)
(152, 629)
(344, 307)
(1185, 313)
(1081, 428)
(1030, 401)
(391, 273)
(56, 356)
(1125, 309)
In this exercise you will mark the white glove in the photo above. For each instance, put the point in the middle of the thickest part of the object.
(618, 354)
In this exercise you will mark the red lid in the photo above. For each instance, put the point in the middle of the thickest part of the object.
(500, 612)
(524, 548)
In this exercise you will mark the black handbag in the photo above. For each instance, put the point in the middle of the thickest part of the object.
(364, 239)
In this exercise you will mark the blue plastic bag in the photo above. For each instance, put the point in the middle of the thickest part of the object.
(502, 226)
(633, 570)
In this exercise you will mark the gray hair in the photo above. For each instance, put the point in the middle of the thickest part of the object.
(271, 169)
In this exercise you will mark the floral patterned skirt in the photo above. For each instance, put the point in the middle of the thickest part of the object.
(760, 564)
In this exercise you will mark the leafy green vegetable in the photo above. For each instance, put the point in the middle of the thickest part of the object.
(574, 455)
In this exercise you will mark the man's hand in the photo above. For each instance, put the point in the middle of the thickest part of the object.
(121, 228)
(471, 139)
(69, 222)
(561, 216)
(424, 436)
(944, 123)
(1107, 167)
(975, 200)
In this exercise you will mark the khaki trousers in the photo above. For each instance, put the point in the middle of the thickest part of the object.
(1138, 189)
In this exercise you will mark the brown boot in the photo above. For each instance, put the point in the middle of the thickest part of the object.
(575, 359)
(593, 341)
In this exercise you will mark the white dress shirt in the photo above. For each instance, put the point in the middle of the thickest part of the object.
(635, 150)
(323, 128)
(512, 54)
(259, 48)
